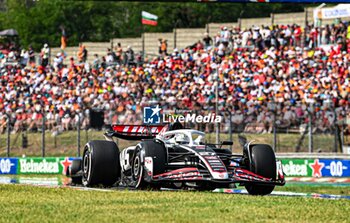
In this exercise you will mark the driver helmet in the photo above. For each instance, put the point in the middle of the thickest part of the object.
(182, 139)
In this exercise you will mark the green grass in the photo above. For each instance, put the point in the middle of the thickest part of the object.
(321, 188)
(20, 203)
(66, 143)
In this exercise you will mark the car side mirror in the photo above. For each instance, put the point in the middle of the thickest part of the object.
(227, 143)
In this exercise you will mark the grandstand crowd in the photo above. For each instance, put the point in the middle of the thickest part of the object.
(283, 73)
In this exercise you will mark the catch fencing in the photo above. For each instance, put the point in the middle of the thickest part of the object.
(307, 128)
(66, 136)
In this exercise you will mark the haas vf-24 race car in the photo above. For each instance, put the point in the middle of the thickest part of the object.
(173, 157)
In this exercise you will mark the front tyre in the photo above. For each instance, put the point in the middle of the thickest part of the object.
(155, 150)
(100, 163)
(263, 163)
(138, 171)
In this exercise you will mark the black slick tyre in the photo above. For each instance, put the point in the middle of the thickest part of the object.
(153, 149)
(100, 163)
(263, 163)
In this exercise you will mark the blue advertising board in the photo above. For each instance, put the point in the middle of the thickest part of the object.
(302, 167)
(8, 165)
(334, 167)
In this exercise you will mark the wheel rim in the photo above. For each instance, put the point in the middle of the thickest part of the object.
(86, 167)
(85, 163)
(137, 171)
(137, 167)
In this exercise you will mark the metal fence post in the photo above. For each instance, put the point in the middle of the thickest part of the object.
(78, 137)
(8, 133)
(335, 149)
(342, 138)
(310, 130)
(55, 141)
(274, 109)
(274, 134)
(343, 128)
(217, 104)
(230, 127)
(43, 136)
(86, 135)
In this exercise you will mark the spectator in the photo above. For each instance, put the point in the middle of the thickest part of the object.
(251, 76)
(82, 53)
(109, 57)
(130, 56)
(24, 57)
(208, 41)
(45, 54)
(163, 47)
(96, 63)
(31, 56)
(225, 36)
(58, 61)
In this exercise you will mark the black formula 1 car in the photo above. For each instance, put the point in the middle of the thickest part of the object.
(173, 157)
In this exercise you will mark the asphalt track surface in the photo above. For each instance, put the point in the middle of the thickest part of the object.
(64, 182)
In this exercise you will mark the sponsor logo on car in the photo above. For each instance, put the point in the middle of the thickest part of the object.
(184, 175)
(149, 165)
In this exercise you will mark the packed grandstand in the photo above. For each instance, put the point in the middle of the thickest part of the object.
(264, 73)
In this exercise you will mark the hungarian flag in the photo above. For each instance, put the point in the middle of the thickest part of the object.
(149, 19)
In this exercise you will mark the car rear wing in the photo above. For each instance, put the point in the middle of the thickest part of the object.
(135, 132)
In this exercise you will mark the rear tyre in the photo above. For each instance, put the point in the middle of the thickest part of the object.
(100, 163)
(158, 153)
(263, 163)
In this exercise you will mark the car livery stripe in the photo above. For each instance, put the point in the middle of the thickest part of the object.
(141, 129)
(216, 172)
(215, 163)
(242, 173)
(190, 173)
(137, 129)
(182, 170)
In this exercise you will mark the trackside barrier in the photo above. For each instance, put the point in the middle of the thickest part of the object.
(292, 167)
(35, 165)
(316, 167)
(8, 165)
